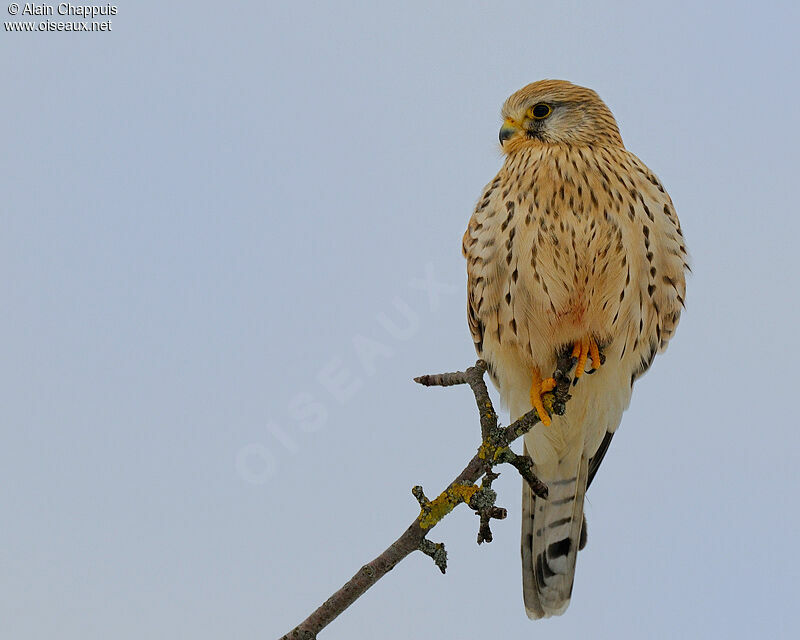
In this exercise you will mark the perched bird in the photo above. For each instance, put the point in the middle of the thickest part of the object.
(574, 244)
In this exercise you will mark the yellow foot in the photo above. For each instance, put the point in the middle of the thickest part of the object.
(538, 387)
(584, 349)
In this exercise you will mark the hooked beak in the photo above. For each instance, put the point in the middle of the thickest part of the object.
(509, 128)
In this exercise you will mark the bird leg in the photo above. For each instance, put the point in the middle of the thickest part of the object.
(582, 350)
(538, 387)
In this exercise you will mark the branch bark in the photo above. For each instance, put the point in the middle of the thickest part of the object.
(494, 450)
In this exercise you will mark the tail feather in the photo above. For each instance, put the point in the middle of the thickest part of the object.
(552, 534)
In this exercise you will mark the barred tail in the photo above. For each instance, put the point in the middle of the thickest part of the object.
(552, 533)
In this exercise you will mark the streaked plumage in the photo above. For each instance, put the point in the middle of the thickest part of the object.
(574, 239)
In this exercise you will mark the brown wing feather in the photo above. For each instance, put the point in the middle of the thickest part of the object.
(597, 458)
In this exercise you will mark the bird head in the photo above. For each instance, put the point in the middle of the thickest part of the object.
(556, 112)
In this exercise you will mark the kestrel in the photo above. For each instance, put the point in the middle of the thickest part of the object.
(575, 244)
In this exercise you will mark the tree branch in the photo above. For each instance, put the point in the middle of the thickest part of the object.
(494, 450)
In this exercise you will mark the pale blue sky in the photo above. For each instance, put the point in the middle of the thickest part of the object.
(213, 211)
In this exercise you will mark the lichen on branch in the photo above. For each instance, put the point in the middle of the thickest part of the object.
(493, 450)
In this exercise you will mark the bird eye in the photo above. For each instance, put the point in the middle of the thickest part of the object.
(540, 111)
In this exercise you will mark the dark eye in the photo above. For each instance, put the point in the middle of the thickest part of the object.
(541, 111)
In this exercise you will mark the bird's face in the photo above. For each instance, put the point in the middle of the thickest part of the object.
(556, 112)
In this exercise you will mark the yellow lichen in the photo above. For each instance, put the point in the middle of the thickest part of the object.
(547, 401)
(490, 451)
(444, 503)
(499, 452)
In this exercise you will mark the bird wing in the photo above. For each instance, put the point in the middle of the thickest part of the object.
(597, 458)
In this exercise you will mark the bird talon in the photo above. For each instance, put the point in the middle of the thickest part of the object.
(540, 386)
(586, 349)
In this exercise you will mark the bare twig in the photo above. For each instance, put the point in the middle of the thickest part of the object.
(494, 450)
